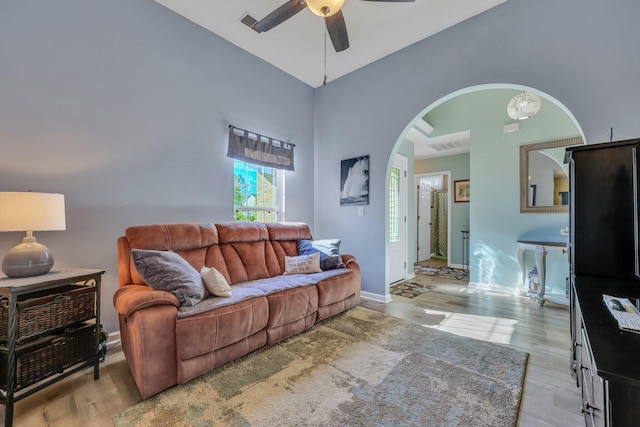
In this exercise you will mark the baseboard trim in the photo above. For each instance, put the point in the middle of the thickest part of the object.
(113, 338)
(385, 299)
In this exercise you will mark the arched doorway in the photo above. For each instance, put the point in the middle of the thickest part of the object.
(479, 114)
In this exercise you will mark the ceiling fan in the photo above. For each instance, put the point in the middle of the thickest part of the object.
(330, 10)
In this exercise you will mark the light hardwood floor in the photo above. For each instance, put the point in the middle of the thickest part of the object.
(550, 396)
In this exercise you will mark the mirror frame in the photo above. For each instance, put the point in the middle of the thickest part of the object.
(524, 173)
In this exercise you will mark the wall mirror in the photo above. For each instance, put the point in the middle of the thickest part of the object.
(544, 178)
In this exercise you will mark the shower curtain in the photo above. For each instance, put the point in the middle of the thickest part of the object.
(442, 215)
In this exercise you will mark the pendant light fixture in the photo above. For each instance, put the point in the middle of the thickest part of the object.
(523, 106)
(325, 8)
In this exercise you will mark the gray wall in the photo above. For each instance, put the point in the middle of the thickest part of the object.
(583, 53)
(123, 107)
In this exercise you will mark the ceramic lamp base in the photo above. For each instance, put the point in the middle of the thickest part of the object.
(27, 259)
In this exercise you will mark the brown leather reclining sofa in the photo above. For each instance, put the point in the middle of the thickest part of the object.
(167, 344)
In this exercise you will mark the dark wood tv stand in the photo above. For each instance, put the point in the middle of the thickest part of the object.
(606, 360)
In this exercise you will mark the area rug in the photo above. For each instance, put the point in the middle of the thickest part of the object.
(410, 289)
(445, 272)
(359, 368)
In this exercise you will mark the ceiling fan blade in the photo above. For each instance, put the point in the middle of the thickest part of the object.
(337, 31)
(279, 15)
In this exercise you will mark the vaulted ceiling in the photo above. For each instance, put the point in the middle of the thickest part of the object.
(375, 28)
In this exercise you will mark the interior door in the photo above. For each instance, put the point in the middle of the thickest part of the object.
(424, 220)
(398, 220)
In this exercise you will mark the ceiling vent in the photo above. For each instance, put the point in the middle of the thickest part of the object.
(452, 145)
(248, 20)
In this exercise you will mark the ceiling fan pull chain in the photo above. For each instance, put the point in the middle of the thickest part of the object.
(324, 82)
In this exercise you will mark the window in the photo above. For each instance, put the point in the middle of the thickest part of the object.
(394, 205)
(258, 192)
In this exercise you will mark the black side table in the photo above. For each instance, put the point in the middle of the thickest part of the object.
(49, 329)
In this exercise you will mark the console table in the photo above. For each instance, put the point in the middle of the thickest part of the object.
(540, 248)
(49, 329)
(465, 249)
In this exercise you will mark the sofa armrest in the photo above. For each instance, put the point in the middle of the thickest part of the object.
(128, 299)
(347, 259)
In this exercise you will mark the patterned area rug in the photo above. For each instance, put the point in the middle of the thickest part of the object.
(359, 368)
(445, 272)
(410, 289)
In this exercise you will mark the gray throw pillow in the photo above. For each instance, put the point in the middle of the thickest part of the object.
(168, 271)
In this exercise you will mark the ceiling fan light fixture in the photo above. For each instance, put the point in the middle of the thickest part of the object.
(523, 106)
(325, 8)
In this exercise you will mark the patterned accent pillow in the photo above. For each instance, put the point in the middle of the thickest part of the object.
(303, 264)
(168, 271)
(329, 250)
(215, 282)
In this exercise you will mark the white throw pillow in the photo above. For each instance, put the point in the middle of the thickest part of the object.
(215, 282)
(302, 264)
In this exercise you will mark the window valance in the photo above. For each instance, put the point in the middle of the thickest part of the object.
(258, 149)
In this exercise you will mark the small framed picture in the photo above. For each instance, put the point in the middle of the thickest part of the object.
(354, 181)
(461, 191)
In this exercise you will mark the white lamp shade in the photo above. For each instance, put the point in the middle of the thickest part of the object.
(325, 7)
(29, 211)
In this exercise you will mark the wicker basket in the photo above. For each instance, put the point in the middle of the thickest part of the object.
(45, 312)
(50, 355)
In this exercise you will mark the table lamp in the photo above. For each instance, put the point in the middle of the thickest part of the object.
(29, 212)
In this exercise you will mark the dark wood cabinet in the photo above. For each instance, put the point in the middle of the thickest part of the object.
(603, 215)
(603, 246)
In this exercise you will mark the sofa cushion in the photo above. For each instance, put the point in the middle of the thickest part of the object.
(220, 327)
(261, 287)
(175, 237)
(329, 250)
(337, 288)
(247, 260)
(168, 271)
(247, 252)
(235, 232)
(302, 264)
(290, 312)
(288, 231)
(215, 282)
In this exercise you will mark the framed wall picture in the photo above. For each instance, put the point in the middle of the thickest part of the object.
(461, 190)
(354, 181)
